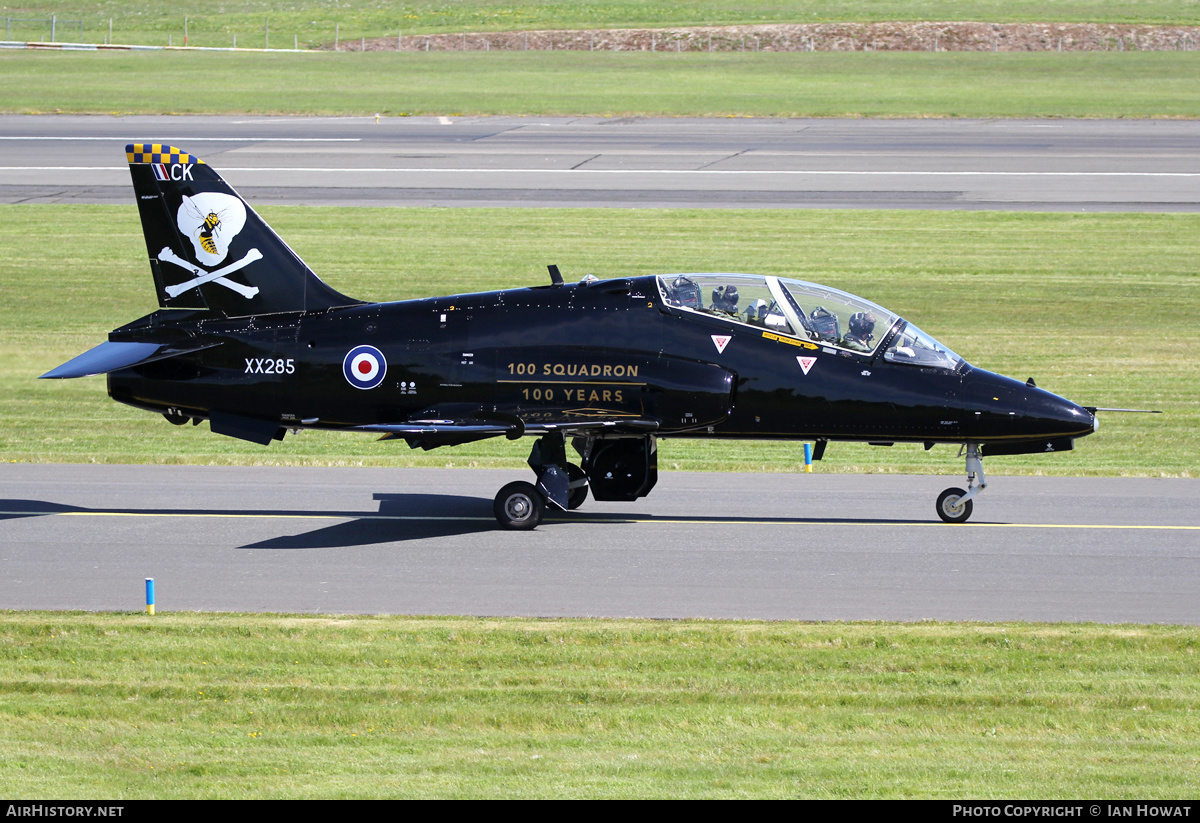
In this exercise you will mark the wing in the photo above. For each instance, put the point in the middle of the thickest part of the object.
(430, 434)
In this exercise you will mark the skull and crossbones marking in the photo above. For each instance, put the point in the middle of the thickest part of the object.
(202, 276)
(211, 220)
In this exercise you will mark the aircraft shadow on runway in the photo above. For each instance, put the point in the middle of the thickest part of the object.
(423, 516)
(12, 509)
(405, 517)
(401, 517)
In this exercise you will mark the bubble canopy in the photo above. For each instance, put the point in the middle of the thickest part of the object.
(807, 311)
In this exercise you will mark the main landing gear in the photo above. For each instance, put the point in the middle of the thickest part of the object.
(620, 468)
(954, 505)
(564, 485)
(519, 506)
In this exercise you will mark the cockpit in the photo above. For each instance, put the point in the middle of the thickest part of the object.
(818, 314)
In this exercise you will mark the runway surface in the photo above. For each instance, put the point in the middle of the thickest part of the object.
(423, 541)
(1062, 165)
(819, 547)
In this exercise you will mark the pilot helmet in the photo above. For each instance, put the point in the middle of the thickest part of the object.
(862, 323)
(685, 292)
(725, 298)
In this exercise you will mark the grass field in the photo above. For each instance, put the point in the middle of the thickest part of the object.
(268, 706)
(980, 84)
(1099, 308)
(312, 22)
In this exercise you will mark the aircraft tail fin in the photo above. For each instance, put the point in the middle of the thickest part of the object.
(208, 249)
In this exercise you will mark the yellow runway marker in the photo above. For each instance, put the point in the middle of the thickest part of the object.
(259, 516)
(652, 521)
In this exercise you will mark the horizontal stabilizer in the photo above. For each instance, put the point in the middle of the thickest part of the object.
(111, 356)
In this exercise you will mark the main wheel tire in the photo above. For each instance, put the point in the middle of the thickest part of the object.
(950, 509)
(577, 494)
(519, 506)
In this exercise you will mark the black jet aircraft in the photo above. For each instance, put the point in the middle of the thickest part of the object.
(250, 339)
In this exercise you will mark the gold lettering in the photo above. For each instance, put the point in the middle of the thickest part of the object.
(579, 369)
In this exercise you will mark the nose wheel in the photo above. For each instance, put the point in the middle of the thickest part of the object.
(952, 508)
(955, 505)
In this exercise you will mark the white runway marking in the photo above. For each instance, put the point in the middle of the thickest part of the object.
(649, 172)
(208, 139)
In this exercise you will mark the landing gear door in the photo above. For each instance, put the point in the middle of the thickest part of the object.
(623, 468)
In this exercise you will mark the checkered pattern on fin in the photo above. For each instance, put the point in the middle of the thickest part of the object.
(140, 153)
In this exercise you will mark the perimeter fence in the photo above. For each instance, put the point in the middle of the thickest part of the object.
(42, 28)
(186, 31)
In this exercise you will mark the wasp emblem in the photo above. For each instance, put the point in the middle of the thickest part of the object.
(209, 223)
(211, 220)
(206, 233)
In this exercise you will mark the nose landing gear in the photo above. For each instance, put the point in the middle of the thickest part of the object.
(955, 505)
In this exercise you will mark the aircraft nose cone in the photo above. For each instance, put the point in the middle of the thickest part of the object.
(1058, 416)
(1002, 408)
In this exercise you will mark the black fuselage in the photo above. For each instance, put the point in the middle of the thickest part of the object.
(610, 349)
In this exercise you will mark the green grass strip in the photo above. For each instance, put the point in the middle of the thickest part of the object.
(275, 706)
(1082, 84)
(1098, 307)
(314, 21)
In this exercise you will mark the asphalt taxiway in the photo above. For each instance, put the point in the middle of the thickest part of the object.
(756, 546)
(1060, 165)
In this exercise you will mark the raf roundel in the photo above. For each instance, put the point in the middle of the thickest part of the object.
(364, 367)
